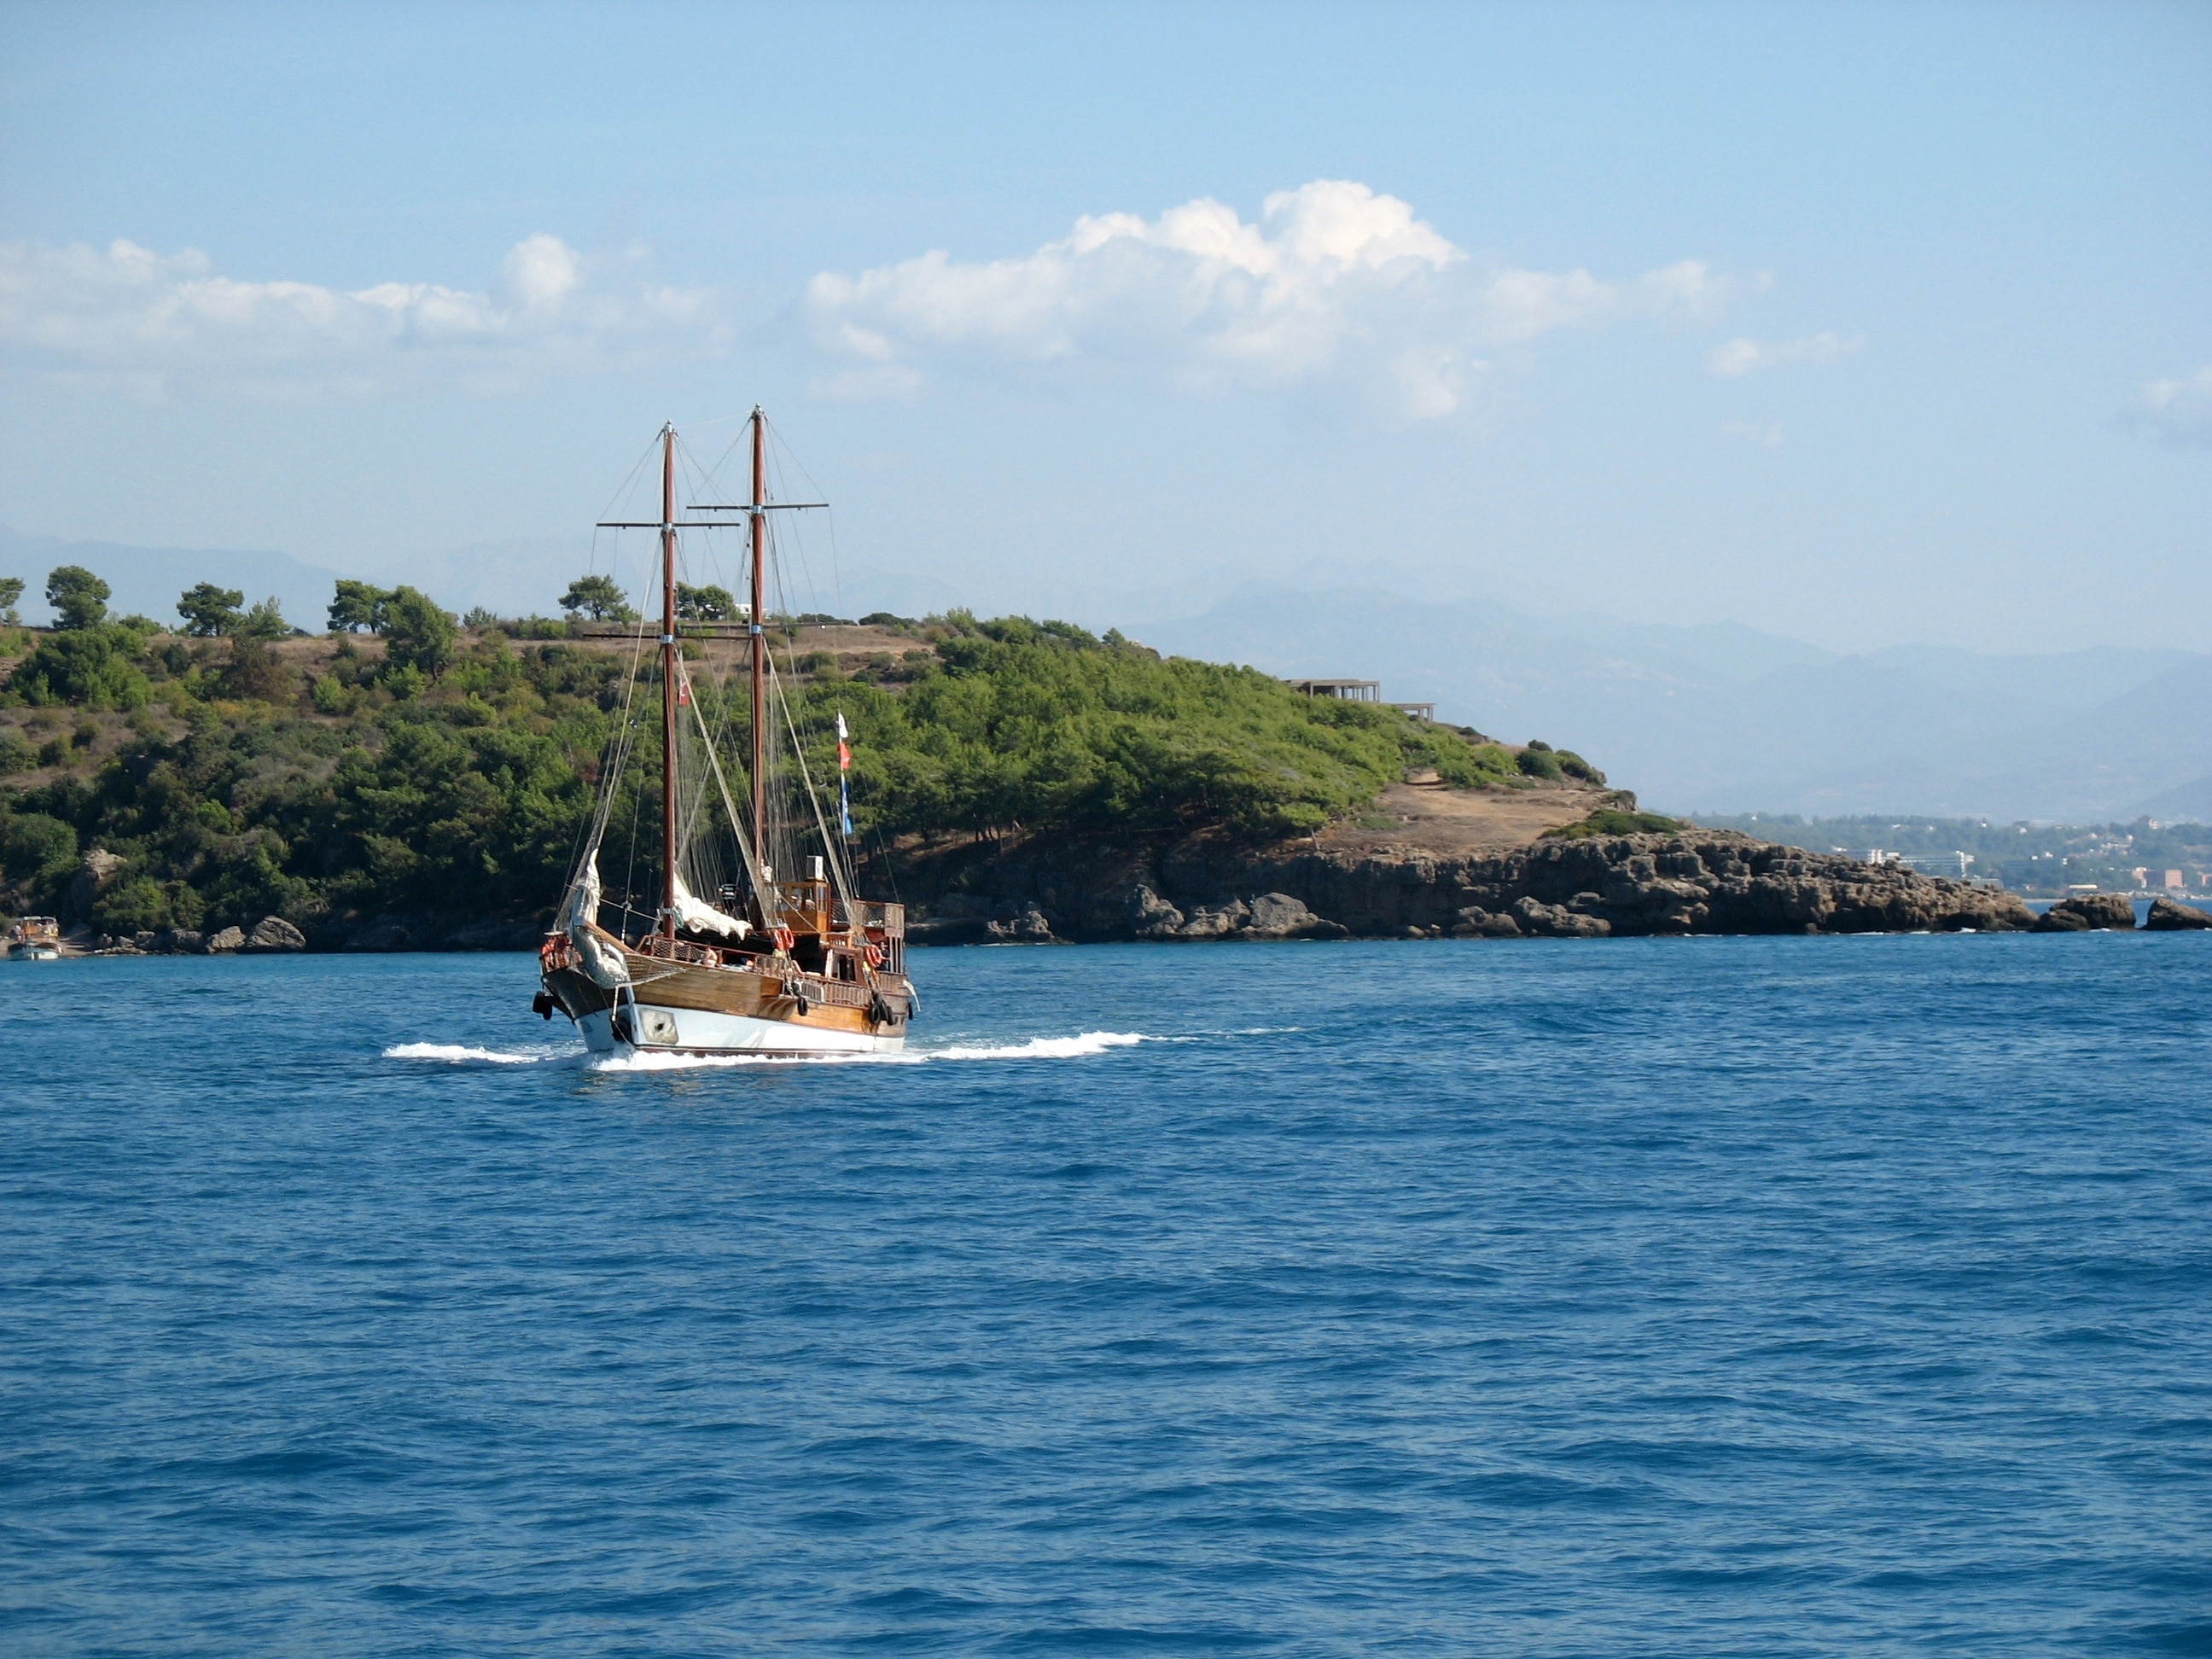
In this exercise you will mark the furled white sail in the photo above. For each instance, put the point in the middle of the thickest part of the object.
(583, 907)
(602, 962)
(700, 916)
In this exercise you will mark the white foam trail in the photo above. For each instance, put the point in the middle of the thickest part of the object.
(455, 1053)
(1067, 1048)
(655, 1062)
(1074, 1047)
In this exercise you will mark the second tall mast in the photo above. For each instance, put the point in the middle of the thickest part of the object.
(759, 523)
(668, 680)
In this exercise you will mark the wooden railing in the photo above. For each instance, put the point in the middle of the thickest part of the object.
(663, 949)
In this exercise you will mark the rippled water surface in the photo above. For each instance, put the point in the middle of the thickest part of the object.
(1686, 1297)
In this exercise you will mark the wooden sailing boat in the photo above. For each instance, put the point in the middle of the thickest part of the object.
(776, 967)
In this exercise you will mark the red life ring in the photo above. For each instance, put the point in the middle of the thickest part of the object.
(784, 940)
(875, 956)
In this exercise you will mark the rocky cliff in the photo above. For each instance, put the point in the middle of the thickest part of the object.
(1206, 887)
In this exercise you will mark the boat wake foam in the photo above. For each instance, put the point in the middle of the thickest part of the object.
(1062, 1047)
(1074, 1047)
(457, 1053)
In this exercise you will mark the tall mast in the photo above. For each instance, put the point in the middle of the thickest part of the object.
(668, 680)
(759, 523)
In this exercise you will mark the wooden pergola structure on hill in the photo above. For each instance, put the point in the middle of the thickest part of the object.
(1361, 691)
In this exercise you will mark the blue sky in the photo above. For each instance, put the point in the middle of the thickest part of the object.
(1866, 324)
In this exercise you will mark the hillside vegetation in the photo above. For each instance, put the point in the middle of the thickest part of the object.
(435, 768)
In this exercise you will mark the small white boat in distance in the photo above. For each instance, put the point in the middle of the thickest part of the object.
(35, 939)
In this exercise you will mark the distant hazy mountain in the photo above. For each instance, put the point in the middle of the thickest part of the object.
(525, 577)
(1723, 718)
(2190, 804)
(147, 581)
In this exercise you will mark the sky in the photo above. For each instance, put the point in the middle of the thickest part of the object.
(1867, 325)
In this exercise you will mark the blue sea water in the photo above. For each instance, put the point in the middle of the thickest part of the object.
(1698, 1297)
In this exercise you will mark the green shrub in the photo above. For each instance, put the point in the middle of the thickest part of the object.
(36, 844)
(1576, 767)
(257, 672)
(130, 906)
(1611, 821)
(79, 597)
(1537, 761)
(210, 612)
(599, 598)
(417, 634)
(91, 667)
(17, 752)
(265, 621)
(704, 604)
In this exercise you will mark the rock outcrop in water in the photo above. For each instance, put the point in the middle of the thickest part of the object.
(2091, 913)
(1208, 888)
(2167, 916)
(273, 933)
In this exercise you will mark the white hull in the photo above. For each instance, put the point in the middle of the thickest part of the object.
(695, 1031)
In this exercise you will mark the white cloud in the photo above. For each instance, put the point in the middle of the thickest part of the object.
(1745, 355)
(2178, 411)
(1332, 284)
(124, 315)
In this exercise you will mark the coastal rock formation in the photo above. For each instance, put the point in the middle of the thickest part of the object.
(1278, 916)
(1206, 887)
(1030, 928)
(269, 933)
(95, 876)
(2166, 915)
(1150, 915)
(1543, 921)
(2095, 911)
(274, 933)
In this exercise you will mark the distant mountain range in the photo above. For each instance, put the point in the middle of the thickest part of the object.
(510, 578)
(1722, 718)
(146, 581)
